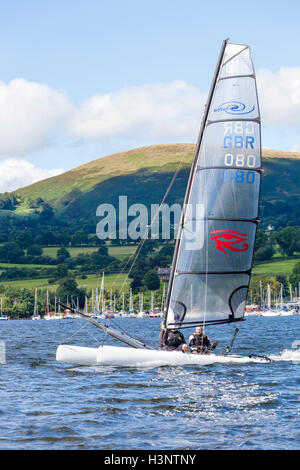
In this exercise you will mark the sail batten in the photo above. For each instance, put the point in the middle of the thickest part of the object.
(214, 252)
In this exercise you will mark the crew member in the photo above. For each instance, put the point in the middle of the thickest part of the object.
(199, 343)
(173, 340)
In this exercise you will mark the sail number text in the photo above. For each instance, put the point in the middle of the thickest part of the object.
(239, 135)
(239, 176)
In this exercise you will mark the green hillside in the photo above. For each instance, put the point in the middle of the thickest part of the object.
(143, 175)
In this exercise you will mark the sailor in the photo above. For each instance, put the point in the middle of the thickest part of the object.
(199, 343)
(173, 340)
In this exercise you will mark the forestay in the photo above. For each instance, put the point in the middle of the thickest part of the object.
(213, 255)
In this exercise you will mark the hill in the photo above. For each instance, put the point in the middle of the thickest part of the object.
(143, 174)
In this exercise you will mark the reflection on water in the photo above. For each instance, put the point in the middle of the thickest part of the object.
(47, 405)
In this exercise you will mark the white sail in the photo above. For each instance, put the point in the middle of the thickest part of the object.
(213, 255)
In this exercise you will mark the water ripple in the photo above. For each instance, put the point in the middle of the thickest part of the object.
(46, 405)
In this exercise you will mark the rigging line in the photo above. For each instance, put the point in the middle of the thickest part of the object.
(84, 325)
(143, 238)
(132, 336)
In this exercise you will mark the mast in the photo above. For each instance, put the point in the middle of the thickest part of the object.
(35, 312)
(269, 296)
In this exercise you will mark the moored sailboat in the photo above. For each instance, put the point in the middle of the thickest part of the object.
(2, 316)
(35, 316)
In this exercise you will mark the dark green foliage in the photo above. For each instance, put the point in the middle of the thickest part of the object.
(288, 240)
(151, 280)
(11, 253)
(68, 289)
(34, 250)
(295, 276)
(62, 254)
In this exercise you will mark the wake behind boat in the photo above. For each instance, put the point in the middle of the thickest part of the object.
(212, 259)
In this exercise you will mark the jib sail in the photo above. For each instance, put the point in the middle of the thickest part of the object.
(213, 256)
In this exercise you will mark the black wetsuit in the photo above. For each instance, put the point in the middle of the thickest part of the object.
(199, 343)
(174, 340)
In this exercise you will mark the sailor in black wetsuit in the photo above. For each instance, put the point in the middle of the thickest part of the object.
(173, 340)
(199, 343)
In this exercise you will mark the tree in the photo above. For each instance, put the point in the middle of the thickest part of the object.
(24, 239)
(264, 253)
(136, 285)
(62, 254)
(61, 271)
(295, 276)
(11, 253)
(288, 240)
(263, 247)
(103, 250)
(46, 212)
(34, 250)
(151, 280)
(80, 238)
(68, 288)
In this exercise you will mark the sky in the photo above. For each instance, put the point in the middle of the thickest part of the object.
(83, 79)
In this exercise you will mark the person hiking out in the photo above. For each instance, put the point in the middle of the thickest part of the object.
(199, 343)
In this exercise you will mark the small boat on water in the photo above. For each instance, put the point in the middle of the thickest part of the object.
(212, 260)
(2, 317)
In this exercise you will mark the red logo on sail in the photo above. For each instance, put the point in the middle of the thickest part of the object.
(229, 238)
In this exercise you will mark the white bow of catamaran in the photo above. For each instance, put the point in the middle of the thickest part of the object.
(130, 357)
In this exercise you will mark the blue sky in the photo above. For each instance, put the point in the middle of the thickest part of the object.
(84, 51)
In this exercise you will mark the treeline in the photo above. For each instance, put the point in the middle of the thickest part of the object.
(280, 213)
(286, 240)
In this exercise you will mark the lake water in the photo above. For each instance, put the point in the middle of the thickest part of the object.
(48, 405)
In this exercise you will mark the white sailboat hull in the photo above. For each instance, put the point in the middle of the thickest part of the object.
(131, 357)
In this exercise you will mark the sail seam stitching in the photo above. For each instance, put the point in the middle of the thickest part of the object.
(248, 75)
(235, 55)
(257, 120)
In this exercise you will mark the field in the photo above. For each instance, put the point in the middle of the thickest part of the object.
(278, 266)
(119, 252)
(92, 281)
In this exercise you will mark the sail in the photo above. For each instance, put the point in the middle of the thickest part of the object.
(213, 256)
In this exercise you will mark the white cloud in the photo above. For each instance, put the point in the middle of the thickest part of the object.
(29, 115)
(15, 173)
(159, 111)
(33, 116)
(279, 95)
(173, 110)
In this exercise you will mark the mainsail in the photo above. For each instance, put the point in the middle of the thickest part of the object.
(213, 255)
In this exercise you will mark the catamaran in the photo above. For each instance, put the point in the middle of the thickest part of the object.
(213, 255)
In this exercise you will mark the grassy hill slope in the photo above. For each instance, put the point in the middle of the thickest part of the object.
(143, 175)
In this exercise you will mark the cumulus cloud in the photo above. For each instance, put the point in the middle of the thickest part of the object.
(159, 111)
(15, 173)
(33, 116)
(173, 110)
(279, 95)
(30, 113)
